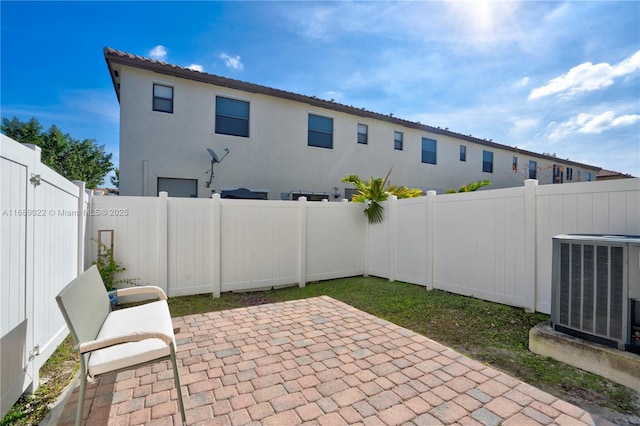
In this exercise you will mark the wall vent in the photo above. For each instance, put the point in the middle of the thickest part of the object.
(596, 289)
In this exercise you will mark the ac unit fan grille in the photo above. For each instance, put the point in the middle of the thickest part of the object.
(591, 293)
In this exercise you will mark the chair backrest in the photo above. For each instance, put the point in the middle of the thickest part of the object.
(84, 303)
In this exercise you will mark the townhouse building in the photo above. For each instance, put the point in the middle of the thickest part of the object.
(178, 126)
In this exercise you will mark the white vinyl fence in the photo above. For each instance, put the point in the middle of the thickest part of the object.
(41, 250)
(608, 207)
(494, 245)
(193, 246)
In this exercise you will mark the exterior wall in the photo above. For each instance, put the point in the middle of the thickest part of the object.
(276, 157)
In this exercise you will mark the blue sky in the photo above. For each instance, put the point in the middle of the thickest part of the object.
(553, 77)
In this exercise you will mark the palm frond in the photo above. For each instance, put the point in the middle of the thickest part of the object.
(470, 187)
(373, 192)
(374, 212)
(404, 192)
(477, 185)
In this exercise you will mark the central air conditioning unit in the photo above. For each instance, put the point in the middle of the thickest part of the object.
(596, 289)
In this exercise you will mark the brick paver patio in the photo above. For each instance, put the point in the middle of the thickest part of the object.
(316, 361)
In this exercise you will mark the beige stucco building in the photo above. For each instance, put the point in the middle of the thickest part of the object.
(283, 144)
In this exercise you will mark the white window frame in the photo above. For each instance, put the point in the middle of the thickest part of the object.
(153, 96)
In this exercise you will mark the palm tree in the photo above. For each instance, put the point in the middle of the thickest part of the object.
(373, 193)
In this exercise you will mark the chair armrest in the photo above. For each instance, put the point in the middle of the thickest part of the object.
(145, 289)
(94, 345)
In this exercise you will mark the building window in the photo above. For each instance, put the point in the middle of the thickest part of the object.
(429, 151)
(514, 165)
(487, 161)
(320, 131)
(397, 140)
(363, 134)
(178, 187)
(533, 170)
(162, 98)
(557, 174)
(587, 176)
(579, 178)
(463, 153)
(232, 117)
(569, 174)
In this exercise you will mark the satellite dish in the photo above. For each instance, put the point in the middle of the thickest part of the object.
(214, 160)
(214, 156)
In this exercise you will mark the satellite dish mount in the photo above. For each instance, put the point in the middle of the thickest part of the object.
(214, 160)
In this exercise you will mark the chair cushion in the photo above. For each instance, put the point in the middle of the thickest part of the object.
(152, 318)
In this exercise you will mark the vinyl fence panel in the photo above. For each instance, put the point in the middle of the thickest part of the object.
(259, 244)
(16, 340)
(41, 243)
(479, 240)
(55, 251)
(335, 240)
(608, 207)
(190, 246)
(411, 251)
(139, 236)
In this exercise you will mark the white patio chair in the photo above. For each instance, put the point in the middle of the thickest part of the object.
(110, 341)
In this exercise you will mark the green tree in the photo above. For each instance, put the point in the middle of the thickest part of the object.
(115, 179)
(470, 187)
(29, 132)
(74, 159)
(373, 193)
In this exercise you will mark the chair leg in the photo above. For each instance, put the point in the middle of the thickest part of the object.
(83, 388)
(176, 379)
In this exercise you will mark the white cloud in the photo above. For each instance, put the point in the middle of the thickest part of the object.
(232, 61)
(524, 124)
(522, 82)
(318, 23)
(592, 124)
(628, 66)
(159, 53)
(75, 105)
(587, 77)
(98, 103)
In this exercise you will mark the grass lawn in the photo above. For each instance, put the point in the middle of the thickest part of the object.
(489, 332)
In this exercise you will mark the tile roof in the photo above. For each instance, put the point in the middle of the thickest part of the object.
(610, 174)
(113, 56)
